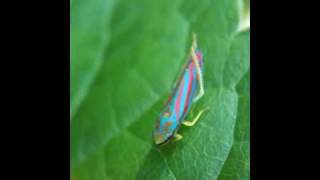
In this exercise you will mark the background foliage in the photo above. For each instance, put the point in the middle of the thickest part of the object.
(125, 56)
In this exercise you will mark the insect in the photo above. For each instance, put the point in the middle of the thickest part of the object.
(188, 89)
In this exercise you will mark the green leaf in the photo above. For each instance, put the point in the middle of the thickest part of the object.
(89, 37)
(237, 165)
(143, 59)
(238, 60)
(149, 41)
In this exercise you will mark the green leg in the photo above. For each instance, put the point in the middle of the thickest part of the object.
(193, 122)
(177, 137)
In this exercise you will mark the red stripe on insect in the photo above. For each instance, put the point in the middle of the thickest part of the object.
(175, 89)
(199, 57)
(189, 88)
(170, 97)
(177, 105)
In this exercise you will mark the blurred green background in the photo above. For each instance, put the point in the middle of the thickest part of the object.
(125, 56)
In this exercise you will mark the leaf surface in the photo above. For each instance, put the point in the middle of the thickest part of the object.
(147, 45)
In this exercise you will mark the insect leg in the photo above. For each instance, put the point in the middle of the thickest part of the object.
(199, 71)
(193, 122)
(177, 137)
